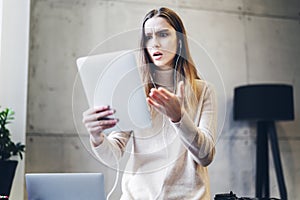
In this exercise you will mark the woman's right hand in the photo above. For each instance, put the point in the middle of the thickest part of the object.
(96, 120)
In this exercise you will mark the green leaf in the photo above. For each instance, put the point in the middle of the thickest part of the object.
(7, 147)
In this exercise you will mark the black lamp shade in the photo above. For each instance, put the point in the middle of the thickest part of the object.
(264, 102)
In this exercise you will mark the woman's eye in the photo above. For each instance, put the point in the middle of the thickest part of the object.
(148, 37)
(163, 34)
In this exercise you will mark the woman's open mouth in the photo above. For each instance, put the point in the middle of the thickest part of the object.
(157, 55)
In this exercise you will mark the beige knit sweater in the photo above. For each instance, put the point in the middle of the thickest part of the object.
(167, 161)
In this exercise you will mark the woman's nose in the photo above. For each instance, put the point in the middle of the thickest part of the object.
(156, 43)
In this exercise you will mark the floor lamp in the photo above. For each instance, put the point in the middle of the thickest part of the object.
(265, 104)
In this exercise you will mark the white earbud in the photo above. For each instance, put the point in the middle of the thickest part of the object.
(180, 44)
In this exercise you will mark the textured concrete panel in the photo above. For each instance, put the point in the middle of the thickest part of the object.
(273, 8)
(124, 25)
(234, 167)
(273, 57)
(216, 5)
(221, 36)
(58, 153)
(278, 8)
(60, 33)
(153, 4)
(273, 48)
(289, 151)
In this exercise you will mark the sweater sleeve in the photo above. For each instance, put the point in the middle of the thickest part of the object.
(199, 138)
(112, 148)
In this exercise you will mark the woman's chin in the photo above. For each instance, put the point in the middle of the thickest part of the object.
(162, 65)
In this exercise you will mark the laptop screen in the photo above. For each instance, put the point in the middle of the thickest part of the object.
(65, 186)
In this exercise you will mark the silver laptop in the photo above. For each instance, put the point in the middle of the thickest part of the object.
(65, 186)
(114, 79)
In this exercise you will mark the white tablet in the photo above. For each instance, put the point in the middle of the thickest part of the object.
(65, 186)
(114, 79)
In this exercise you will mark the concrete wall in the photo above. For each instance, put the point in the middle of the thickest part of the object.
(14, 32)
(248, 41)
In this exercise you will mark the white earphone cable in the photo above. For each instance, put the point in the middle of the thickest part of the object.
(176, 66)
(116, 179)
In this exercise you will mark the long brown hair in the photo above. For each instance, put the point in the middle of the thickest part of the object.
(186, 68)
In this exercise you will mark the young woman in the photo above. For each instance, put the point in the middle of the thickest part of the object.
(169, 160)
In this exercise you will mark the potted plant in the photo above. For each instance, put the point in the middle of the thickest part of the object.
(7, 150)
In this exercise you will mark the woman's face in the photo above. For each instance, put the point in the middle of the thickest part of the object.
(161, 42)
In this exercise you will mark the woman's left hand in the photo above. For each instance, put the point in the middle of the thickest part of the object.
(166, 102)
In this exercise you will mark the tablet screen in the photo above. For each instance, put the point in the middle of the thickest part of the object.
(114, 79)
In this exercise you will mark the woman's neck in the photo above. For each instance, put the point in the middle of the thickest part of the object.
(164, 78)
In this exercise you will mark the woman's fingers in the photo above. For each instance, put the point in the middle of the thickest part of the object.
(105, 114)
(163, 97)
(97, 119)
(95, 110)
(165, 93)
(158, 97)
(165, 102)
(95, 130)
(153, 102)
(102, 123)
(97, 115)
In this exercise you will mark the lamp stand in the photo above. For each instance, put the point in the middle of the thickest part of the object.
(266, 130)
